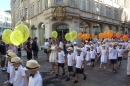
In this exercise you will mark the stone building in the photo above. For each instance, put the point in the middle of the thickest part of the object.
(90, 16)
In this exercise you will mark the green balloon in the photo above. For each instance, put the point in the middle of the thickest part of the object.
(67, 36)
(54, 34)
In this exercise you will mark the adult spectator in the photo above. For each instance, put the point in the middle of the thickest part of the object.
(28, 48)
(2, 54)
(50, 40)
(19, 51)
(46, 49)
(35, 48)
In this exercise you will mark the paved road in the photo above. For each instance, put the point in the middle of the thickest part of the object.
(95, 77)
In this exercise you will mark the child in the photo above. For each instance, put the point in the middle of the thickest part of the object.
(10, 68)
(83, 49)
(87, 56)
(70, 62)
(61, 60)
(75, 46)
(103, 57)
(35, 78)
(114, 58)
(92, 56)
(79, 60)
(110, 52)
(98, 49)
(20, 78)
(120, 54)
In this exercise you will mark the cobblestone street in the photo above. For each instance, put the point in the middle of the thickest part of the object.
(95, 77)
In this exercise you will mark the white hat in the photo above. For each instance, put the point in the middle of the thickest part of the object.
(99, 42)
(16, 60)
(79, 49)
(60, 46)
(75, 42)
(11, 55)
(90, 42)
(103, 45)
(70, 49)
(32, 65)
(9, 51)
(92, 46)
(86, 41)
(120, 44)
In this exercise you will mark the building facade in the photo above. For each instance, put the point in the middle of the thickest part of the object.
(89, 16)
(5, 21)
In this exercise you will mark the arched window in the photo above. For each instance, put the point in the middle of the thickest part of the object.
(59, 2)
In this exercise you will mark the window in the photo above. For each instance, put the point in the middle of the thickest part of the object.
(39, 6)
(87, 5)
(108, 11)
(46, 3)
(100, 8)
(26, 12)
(82, 4)
(32, 11)
(43, 4)
(72, 3)
(59, 2)
(116, 14)
(97, 10)
(117, 1)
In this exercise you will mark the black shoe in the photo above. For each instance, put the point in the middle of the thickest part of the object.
(92, 66)
(119, 65)
(57, 75)
(68, 79)
(115, 71)
(75, 81)
(63, 74)
(84, 77)
(73, 75)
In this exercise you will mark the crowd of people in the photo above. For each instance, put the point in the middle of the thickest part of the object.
(61, 53)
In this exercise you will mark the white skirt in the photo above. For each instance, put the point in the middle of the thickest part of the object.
(103, 59)
(52, 57)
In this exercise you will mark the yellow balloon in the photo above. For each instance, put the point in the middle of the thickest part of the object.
(6, 36)
(67, 36)
(13, 40)
(73, 35)
(24, 30)
(18, 36)
(54, 34)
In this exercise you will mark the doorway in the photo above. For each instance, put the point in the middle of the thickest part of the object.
(62, 29)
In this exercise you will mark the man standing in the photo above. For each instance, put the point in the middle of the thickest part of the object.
(35, 48)
(128, 63)
(28, 48)
(2, 54)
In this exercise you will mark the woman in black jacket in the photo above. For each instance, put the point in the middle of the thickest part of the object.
(35, 48)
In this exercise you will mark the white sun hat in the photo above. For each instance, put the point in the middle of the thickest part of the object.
(60, 46)
(32, 65)
(79, 49)
(11, 55)
(16, 60)
(70, 49)
(75, 42)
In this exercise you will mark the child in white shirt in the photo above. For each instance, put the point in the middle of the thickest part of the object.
(61, 60)
(35, 78)
(92, 56)
(98, 49)
(20, 78)
(120, 54)
(103, 56)
(79, 60)
(10, 68)
(70, 62)
(87, 56)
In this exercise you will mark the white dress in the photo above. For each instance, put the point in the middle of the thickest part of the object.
(103, 56)
(53, 54)
(87, 58)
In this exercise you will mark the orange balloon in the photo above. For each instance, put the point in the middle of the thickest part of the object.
(83, 37)
(80, 35)
(109, 34)
(118, 35)
(101, 36)
(93, 35)
(125, 38)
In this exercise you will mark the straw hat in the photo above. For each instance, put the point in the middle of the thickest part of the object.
(60, 46)
(9, 51)
(16, 60)
(92, 46)
(86, 41)
(70, 49)
(120, 44)
(32, 65)
(79, 49)
(99, 42)
(103, 45)
(75, 42)
(11, 55)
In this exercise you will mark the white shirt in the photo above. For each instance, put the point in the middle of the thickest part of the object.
(36, 80)
(98, 49)
(61, 43)
(114, 55)
(110, 52)
(70, 58)
(61, 56)
(11, 71)
(83, 51)
(79, 60)
(75, 51)
(119, 52)
(46, 45)
(92, 54)
(19, 77)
